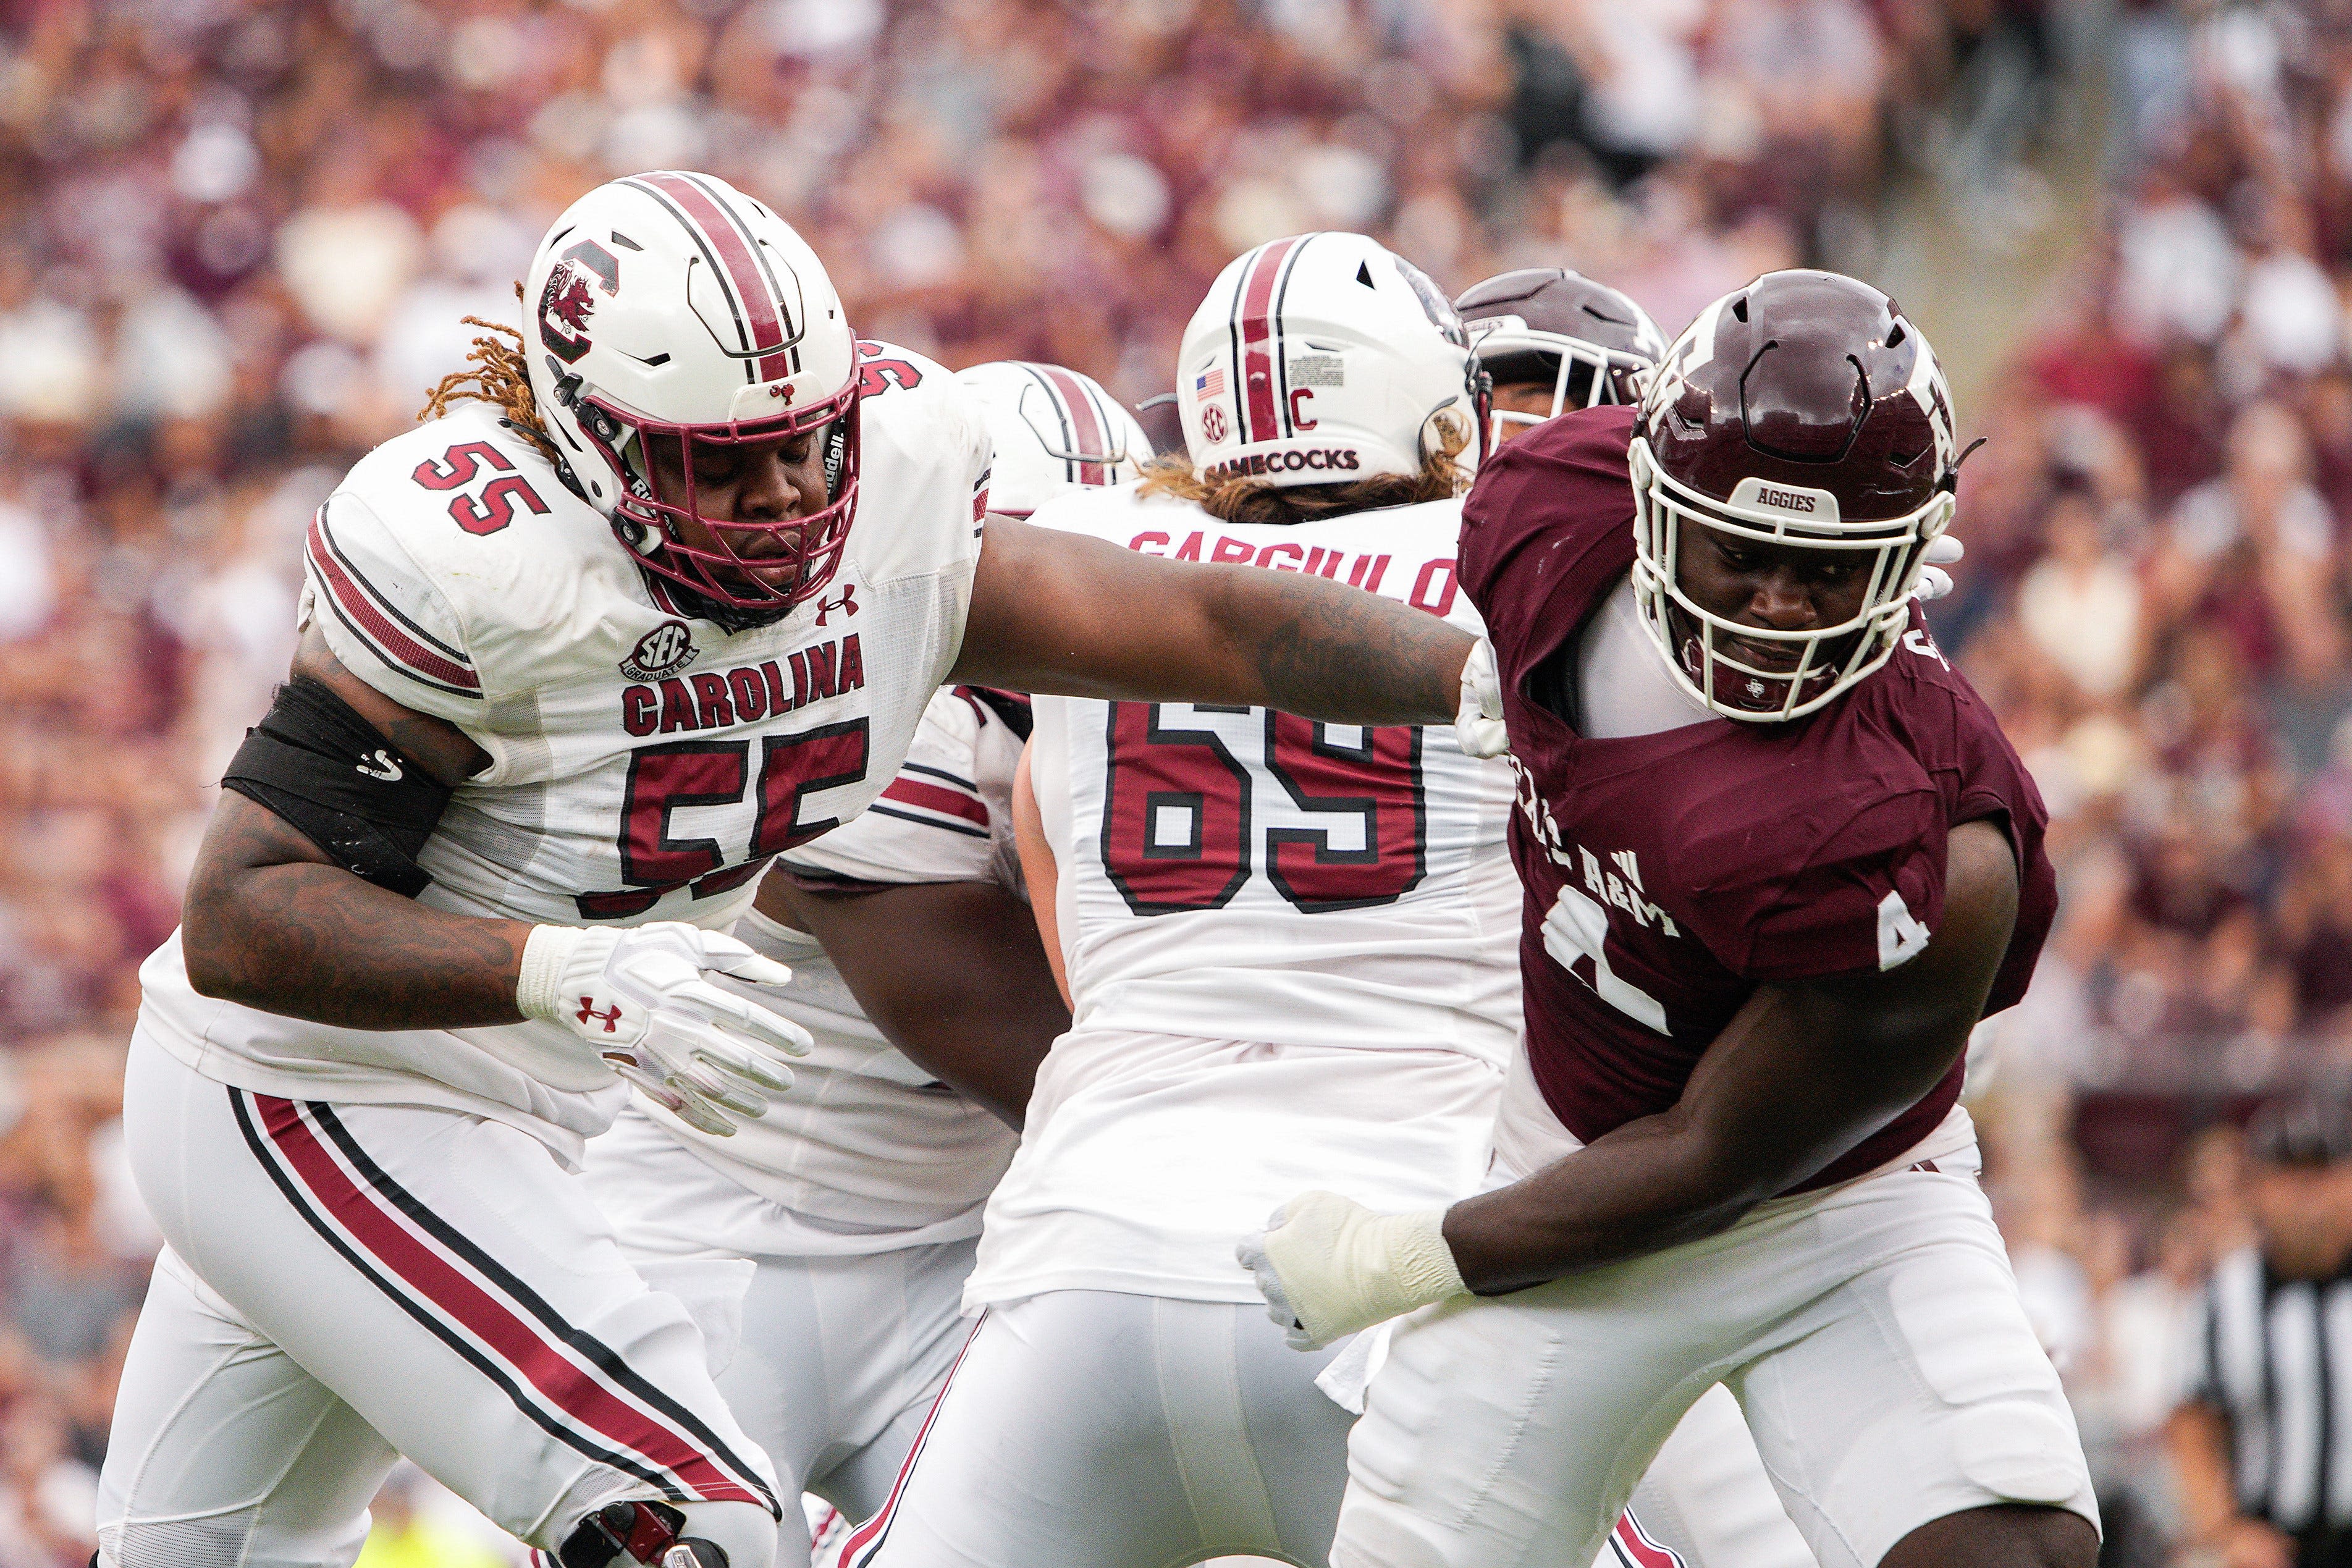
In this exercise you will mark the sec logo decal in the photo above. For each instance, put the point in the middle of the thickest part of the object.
(665, 650)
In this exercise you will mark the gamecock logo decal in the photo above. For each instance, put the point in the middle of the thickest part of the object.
(564, 307)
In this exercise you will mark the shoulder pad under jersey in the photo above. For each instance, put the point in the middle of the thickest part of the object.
(923, 481)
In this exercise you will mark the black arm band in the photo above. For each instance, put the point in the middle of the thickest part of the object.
(334, 778)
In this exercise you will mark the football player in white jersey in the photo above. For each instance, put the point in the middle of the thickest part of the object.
(858, 1195)
(1323, 912)
(578, 662)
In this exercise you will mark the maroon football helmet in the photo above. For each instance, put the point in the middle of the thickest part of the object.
(1551, 326)
(1800, 410)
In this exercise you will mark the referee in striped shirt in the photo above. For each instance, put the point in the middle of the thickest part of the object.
(2263, 1438)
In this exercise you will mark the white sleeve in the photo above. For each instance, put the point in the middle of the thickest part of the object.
(383, 617)
(941, 818)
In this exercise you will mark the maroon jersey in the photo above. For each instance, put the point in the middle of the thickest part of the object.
(1668, 876)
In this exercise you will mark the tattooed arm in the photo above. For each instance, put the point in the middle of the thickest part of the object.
(272, 923)
(1074, 616)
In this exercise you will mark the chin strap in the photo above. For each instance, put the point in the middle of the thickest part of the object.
(637, 1532)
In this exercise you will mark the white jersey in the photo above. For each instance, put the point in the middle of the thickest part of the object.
(1292, 948)
(645, 764)
(1192, 839)
(867, 1152)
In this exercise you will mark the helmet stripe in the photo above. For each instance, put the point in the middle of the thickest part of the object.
(792, 329)
(732, 244)
(1088, 434)
(1254, 344)
(701, 243)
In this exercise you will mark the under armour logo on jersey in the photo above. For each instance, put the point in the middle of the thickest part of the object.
(612, 1018)
(847, 604)
(382, 765)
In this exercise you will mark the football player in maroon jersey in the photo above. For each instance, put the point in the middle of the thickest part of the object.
(1553, 339)
(1778, 860)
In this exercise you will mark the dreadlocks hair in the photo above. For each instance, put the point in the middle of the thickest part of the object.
(501, 377)
(1239, 499)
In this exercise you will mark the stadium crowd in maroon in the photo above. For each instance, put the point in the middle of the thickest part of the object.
(240, 239)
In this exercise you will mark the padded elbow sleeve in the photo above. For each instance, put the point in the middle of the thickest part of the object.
(334, 778)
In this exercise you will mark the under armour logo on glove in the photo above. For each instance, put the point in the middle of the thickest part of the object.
(708, 1053)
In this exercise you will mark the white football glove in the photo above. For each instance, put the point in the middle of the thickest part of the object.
(1478, 723)
(1934, 580)
(1327, 1267)
(637, 998)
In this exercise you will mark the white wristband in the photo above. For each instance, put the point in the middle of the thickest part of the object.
(1330, 1267)
(544, 955)
(1424, 1265)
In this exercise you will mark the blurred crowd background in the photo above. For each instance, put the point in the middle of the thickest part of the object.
(236, 239)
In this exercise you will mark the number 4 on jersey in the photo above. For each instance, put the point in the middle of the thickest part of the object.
(1576, 934)
(1901, 937)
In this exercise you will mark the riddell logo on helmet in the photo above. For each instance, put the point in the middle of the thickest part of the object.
(1787, 500)
(1258, 463)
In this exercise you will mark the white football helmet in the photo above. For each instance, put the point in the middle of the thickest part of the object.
(1325, 358)
(671, 306)
(1054, 430)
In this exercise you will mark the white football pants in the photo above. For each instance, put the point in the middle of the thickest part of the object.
(1089, 1429)
(838, 1359)
(347, 1283)
(1871, 1334)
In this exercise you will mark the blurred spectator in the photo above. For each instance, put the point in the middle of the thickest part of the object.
(2082, 606)
(241, 236)
(414, 1525)
(2258, 1450)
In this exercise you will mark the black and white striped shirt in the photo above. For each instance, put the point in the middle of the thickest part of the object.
(2274, 1356)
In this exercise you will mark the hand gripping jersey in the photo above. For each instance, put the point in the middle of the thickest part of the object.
(644, 765)
(870, 1150)
(1669, 875)
(1202, 834)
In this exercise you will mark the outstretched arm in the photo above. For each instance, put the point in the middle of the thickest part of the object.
(1074, 616)
(270, 922)
(1801, 1074)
